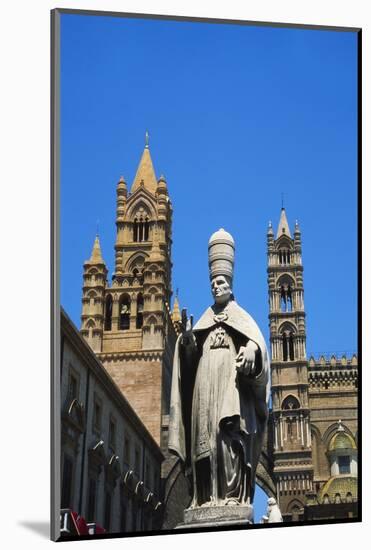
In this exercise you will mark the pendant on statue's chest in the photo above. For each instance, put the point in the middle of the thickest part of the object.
(221, 317)
(218, 338)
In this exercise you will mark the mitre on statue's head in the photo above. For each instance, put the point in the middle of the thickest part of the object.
(221, 254)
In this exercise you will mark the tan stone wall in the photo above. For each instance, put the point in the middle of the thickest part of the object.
(118, 341)
(140, 380)
(328, 406)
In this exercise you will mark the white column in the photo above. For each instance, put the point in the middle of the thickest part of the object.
(275, 435)
(308, 434)
(301, 429)
(297, 426)
(284, 423)
(281, 435)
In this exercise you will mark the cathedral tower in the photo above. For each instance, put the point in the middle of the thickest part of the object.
(293, 469)
(137, 333)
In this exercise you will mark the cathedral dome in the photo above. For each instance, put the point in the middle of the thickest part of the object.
(343, 485)
(341, 441)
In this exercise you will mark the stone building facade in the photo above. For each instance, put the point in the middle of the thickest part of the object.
(110, 463)
(314, 403)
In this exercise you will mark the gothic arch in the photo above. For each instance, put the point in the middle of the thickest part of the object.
(285, 278)
(143, 202)
(152, 267)
(284, 241)
(287, 332)
(151, 320)
(295, 508)
(290, 402)
(287, 326)
(136, 259)
(332, 430)
(90, 323)
(124, 311)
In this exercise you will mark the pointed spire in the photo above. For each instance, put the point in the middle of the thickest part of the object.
(96, 255)
(145, 173)
(297, 228)
(283, 226)
(270, 228)
(176, 316)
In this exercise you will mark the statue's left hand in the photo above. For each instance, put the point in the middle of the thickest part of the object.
(245, 360)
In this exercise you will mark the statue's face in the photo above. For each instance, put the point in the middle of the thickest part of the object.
(221, 289)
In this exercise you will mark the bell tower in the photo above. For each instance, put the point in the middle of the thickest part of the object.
(138, 333)
(293, 468)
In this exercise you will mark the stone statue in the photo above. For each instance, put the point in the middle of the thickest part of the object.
(219, 394)
(273, 512)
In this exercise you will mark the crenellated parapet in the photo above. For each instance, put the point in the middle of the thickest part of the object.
(333, 373)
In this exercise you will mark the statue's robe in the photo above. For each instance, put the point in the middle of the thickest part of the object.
(218, 415)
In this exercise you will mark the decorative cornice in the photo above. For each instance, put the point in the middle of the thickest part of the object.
(146, 355)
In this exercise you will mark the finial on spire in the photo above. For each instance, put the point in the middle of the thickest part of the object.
(340, 426)
(282, 206)
(147, 140)
(97, 228)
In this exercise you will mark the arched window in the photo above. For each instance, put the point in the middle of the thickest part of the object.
(139, 319)
(108, 313)
(141, 226)
(92, 297)
(286, 297)
(290, 403)
(295, 511)
(342, 453)
(284, 256)
(90, 325)
(124, 312)
(284, 347)
(288, 344)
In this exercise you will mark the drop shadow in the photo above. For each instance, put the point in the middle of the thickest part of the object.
(42, 528)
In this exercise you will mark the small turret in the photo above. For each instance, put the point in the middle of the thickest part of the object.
(95, 275)
(270, 237)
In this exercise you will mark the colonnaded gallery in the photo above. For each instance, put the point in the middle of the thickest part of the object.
(116, 379)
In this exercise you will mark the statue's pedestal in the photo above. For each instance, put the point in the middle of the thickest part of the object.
(217, 516)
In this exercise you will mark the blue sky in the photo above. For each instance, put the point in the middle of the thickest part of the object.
(237, 115)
